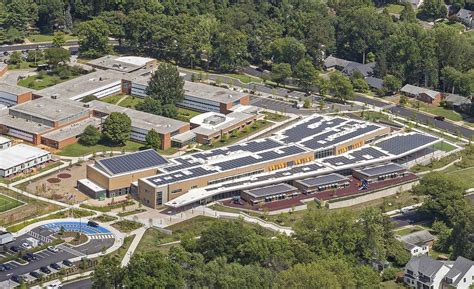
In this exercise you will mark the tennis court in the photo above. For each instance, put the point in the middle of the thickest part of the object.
(7, 203)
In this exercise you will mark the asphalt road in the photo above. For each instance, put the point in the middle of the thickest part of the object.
(421, 117)
(81, 284)
(405, 219)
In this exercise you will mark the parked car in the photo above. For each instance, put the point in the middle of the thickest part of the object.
(53, 249)
(26, 245)
(439, 117)
(92, 224)
(7, 266)
(2, 268)
(68, 263)
(27, 258)
(45, 270)
(17, 278)
(15, 249)
(55, 266)
(35, 274)
(32, 256)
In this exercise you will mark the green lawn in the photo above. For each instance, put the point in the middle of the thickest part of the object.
(25, 65)
(77, 149)
(444, 146)
(394, 8)
(185, 114)
(113, 99)
(248, 131)
(43, 80)
(278, 117)
(245, 78)
(48, 37)
(104, 218)
(406, 231)
(438, 110)
(466, 174)
(126, 226)
(7, 203)
(131, 101)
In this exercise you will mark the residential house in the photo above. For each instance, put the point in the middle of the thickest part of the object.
(460, 275)
(418, 243)
(424, 272)
(458, 102)
(466, 17)
(422, 94)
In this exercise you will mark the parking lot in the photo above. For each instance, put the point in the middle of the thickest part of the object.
(44, 260)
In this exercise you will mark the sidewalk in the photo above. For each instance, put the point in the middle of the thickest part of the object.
(138, 236)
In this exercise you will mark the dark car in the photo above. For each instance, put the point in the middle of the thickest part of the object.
(27, 258)
(35, 274)
(32, 256)
(68, 263)
(15, 249)
(45, 270)
(92, 224)
(55, 266)
(7, 266)
(17, 278)
(439, 117)
(2, 268)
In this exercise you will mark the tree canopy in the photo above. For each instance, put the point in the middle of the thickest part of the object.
(117, 128)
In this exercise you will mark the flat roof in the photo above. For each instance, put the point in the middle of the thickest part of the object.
(272, 190)
(322, 180)
(91, 185)
(402, 143)
(19, 154)
(131, 162)
(23, 124)
(72, 130)
(210, 92)
(121, 63)
(381, 169)
(141, 119)
(84, 85)
(50, 109)
(206, 127)
(13, 89)
(184, 137)
(4, 140)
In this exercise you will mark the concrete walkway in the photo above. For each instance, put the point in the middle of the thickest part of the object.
(138, 236)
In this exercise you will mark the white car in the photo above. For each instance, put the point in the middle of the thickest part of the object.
(53, 249)
(26, 245)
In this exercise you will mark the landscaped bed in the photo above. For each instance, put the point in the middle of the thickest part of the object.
(126, 226)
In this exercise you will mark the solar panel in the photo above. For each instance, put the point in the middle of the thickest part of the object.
(383, 169)
(323, 180)
(403, 143)
(132, 162)
(361, 155)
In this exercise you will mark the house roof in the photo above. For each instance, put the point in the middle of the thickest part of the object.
(418, 238)
(424, 264)
(459, 268)
(332, 61)
(412, 89)
(366, 69)
(464, 14)
(456, 99)
(374, 82)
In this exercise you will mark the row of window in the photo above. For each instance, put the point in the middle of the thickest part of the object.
(234, 177)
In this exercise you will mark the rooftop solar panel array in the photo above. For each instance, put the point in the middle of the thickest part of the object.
(181, 175)
(184, 162)
(253, 147)
(281, 188)
(259, 158)
(404, 143)
(314, 126)
(323, 180)
(383, 169)
(322, 141)
(132, 162)
(364, 154)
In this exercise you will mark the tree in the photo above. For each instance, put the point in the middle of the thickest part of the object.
(443, 234)
(287, 50)
(108, 274)
(153, 139)
(88, 98)
(341, 86)
(391, 83)
(59, 39)
(408, 14)
(306, 74)
(56, 56)
(166, 85)
(280, 72)
(433, 9)
(307, 103)
(462, 236)
(230, 50)
(93, 38)
(91, 136)
(15, 58)
(150, 105)
(403, 100)
(117, 128)
(34, 55)
(360, 85)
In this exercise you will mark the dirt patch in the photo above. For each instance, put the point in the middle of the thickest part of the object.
(53, 180)
(64, 176)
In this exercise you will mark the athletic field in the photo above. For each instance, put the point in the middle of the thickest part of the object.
(7, 203)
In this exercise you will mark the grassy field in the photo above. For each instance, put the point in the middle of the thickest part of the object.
(7, 203)
(248, 131)
(113, 99)
(274, 116)
(245, 78)
(466, 174)
(126, 226)
(406, 231)
(59, 215)
(131, 101)
(438, 110)
(48, 37)
(394, 8)
(77, 149)
(185, 114)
